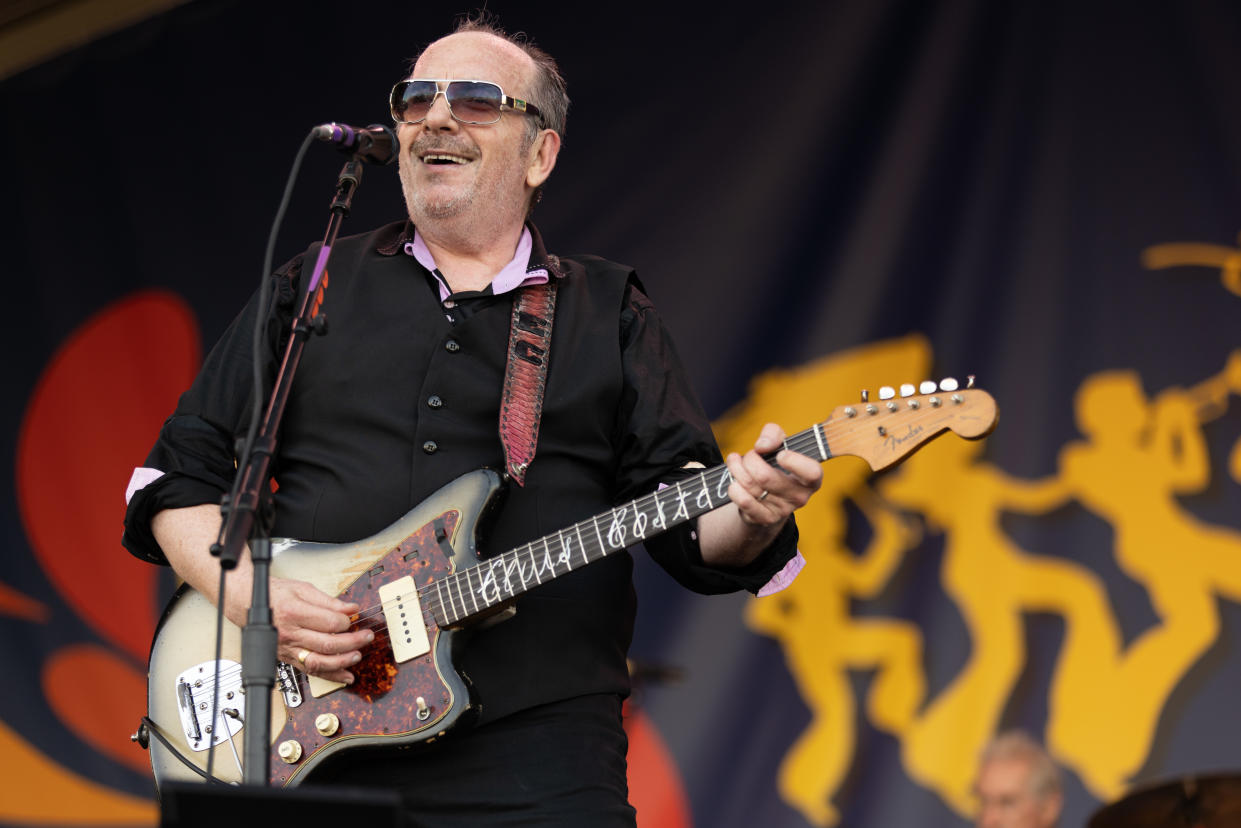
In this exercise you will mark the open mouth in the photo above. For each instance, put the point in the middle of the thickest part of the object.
(440, 159)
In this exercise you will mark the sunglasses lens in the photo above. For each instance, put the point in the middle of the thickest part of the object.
(411, 100)
(474, 102)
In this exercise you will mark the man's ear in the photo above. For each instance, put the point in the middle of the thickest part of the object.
(1051, 807)
(543, 154)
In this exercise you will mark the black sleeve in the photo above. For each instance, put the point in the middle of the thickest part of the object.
(663, 427)
(195, 447)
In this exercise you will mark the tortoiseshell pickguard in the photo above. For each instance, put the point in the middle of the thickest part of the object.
(381, 703)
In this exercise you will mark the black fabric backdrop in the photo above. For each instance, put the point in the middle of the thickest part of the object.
(792, 181)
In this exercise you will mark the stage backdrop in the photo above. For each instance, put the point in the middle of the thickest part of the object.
(821, 198)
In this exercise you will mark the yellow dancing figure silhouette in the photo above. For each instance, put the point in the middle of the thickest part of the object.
(822, 642)
(1228, 260)
(1198, 254)
(1212, 397)
(811, 619)
(992, 582)
(1137, 456)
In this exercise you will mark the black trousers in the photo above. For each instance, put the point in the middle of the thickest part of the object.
(560, 764)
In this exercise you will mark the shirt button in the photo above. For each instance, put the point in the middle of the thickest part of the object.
(435, 402)
(429, 447)
(452, 346)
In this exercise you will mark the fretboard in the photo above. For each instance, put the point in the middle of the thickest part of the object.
(497, 580)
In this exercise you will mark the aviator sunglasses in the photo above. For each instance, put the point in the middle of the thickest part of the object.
(469, 101)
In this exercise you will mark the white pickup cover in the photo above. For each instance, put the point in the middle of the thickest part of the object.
(403, 613)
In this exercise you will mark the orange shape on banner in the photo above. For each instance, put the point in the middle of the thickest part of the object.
(90, 420)
(18, 605)
(655, 787)
(56, 796)
(115, 688)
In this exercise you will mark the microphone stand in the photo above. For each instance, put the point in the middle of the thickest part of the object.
(251, 516)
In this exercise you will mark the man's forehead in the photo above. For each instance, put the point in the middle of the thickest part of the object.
(476, 56)
(1010, 773)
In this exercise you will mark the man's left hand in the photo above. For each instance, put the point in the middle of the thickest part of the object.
(763, 496)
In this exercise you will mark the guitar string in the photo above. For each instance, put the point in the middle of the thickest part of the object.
(839, 434)
(592, 550)
(429, 596)
(842, 433)
(805, 442)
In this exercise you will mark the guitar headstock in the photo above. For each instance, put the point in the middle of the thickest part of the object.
(889, 429)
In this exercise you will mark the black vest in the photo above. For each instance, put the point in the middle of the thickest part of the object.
(396, 401)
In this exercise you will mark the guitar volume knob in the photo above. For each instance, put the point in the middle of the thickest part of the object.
(290, 751)
(327, 724)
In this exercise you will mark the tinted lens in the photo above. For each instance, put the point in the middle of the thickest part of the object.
(474, 102)
(411, 100)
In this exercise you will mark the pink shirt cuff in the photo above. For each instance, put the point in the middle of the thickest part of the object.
(139, 479)
(784, 578)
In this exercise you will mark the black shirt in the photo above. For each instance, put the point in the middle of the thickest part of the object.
(398, 400)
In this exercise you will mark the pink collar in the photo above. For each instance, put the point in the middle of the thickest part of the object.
(513, 275)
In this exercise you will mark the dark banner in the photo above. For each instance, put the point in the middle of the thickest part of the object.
(822, 199)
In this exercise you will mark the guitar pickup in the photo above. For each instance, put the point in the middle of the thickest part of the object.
(403, 613)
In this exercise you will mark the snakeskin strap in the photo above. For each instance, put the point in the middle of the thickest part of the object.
(525, 377)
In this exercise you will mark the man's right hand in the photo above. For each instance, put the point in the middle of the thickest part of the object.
(313, 626)
(314, 630)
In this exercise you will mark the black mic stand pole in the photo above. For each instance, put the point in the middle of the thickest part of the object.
(252, 515)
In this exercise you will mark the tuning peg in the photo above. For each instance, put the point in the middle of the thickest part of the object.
(969, 381)
(865, 395)
(908, 389)
(948, 384)
(887, 392)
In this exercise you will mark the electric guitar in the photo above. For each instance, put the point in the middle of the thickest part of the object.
(420, 583)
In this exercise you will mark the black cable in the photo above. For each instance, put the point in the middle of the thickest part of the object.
(266, 297)
(260, 323)
(215, 678)
(153, 729)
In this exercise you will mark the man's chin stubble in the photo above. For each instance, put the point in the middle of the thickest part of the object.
(419, 204)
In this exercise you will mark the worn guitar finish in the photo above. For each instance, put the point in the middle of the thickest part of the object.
(380, 706)
(407, 690)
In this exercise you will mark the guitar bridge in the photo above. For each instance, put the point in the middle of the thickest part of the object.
(194, 699)
(195, 696)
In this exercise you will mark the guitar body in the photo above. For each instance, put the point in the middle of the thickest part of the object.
(392, 703)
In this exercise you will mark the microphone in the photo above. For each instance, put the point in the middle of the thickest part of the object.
(377, 144)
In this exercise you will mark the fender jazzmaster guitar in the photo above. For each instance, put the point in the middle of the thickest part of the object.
(420, 583)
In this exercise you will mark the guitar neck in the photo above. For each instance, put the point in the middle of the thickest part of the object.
(882, 434)
(477, 589)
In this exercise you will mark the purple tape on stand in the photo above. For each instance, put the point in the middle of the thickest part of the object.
(320, 266)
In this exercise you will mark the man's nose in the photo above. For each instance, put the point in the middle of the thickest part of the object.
(439, 116)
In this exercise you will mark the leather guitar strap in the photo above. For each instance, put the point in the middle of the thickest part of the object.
(525, 377)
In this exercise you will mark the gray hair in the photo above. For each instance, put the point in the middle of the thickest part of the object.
(1017, 744)
(550, 93)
